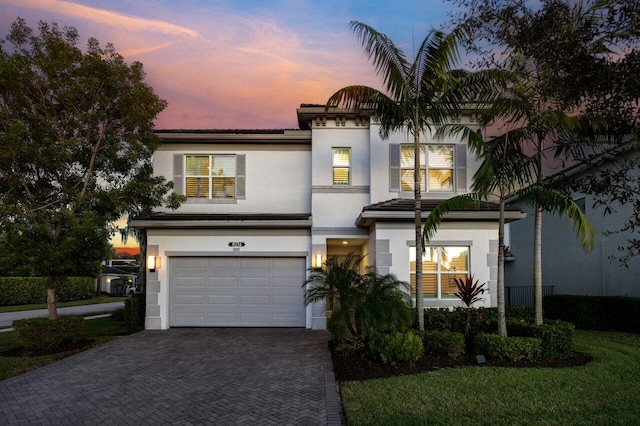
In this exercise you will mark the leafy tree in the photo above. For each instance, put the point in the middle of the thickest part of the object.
(543, 46)
(415, 101)
(76, 139)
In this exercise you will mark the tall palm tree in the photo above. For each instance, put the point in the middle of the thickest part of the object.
(535, 116)
(504, 169)
(414, 101)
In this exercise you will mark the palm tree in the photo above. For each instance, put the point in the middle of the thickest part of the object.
(534, 117)
(504, 168)
(414, 100)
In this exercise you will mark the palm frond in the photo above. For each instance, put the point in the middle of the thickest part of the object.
(389, 61)
(459, 202)
(557, 203)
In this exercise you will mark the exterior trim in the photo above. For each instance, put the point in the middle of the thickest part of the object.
(342, 231)
(237, 253)
(335, 189)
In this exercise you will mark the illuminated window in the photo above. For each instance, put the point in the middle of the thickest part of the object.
(436, 168)
(440, 265)
(341, 159)
(210, 176)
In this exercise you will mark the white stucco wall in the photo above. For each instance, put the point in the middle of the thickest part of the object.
(278, 177)
(480, 236)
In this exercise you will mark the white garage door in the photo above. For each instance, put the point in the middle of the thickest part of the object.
(236, 292)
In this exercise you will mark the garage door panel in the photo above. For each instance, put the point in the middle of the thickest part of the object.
(232, 292)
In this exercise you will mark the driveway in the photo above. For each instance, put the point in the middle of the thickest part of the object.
(211, 376)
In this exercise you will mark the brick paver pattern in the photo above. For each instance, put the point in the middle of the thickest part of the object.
(208, 376)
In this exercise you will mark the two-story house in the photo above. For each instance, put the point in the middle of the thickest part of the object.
(263, 206)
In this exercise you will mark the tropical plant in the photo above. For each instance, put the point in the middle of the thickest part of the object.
(415, 100)
(361, 305)
(469, 293)
(554, 51)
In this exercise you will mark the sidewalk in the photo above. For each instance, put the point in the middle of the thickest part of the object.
(6, 319)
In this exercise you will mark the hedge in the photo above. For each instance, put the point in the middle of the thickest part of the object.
(508, 348)
(610, 313)
(28, 290)
(556, 337)
(135, 312)
(44, 334)
(446, 343)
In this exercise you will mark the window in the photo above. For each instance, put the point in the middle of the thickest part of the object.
(440, 265)
(210, 176)
(436, 168)
(341, 159)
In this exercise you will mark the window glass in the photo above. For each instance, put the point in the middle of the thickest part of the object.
(440, 265)
(436, 168)
(341, 159)
(210, 176)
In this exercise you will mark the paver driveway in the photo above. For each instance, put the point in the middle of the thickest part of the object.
(183, 376)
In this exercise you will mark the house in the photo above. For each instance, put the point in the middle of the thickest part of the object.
(566, 266)
(263, 206)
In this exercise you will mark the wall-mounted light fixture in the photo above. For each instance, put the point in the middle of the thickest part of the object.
(318, 260)
(153, 262)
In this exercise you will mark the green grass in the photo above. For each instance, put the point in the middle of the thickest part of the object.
(604, 391)
(101, 330)
(92, 301)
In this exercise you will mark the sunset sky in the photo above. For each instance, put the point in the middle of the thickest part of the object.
(238, 64)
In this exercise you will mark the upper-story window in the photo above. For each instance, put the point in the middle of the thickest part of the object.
(341, 160)
(436, 168)
(210, 176)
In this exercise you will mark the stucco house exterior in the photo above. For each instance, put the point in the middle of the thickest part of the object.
(263, 206)
(566, 266)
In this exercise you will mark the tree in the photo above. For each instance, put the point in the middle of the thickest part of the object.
(76, 139)
(504, 169)
(414, 101)
(543, 47)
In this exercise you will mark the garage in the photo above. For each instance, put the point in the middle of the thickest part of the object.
(236, 292)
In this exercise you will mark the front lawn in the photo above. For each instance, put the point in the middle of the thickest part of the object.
(99, 331)
(604, 391)
(92, 301)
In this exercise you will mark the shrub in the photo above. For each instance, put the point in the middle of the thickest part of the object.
(612, 313)
(443, 343)
(397, 347)
(556, 337)
(348, 345)
(135, 312)
(45, 334)
(361, 304)
(28, 290)
(437, 319)
(507, 348)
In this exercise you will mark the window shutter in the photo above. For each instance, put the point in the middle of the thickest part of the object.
(241, 176)
(178, 174)
(394, 167)
(461, 168)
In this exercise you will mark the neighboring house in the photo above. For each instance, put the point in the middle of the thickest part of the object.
(567, 267)
(263, 206)
(116, 275)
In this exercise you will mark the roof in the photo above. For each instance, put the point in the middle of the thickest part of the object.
(403, 210)
(230, 136)
(217, 220)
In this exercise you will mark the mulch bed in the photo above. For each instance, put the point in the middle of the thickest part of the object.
(354, 367)
(21, 352)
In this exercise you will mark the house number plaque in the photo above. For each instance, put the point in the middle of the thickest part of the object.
(236, 244)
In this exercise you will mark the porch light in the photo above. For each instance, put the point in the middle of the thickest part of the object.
(152, 263)
(318, 260)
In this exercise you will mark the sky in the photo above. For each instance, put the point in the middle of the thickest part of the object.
(243, 64)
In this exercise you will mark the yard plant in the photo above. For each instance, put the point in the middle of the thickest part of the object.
(603, 391)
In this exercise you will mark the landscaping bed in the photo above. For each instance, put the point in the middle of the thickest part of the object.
(352, 366)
